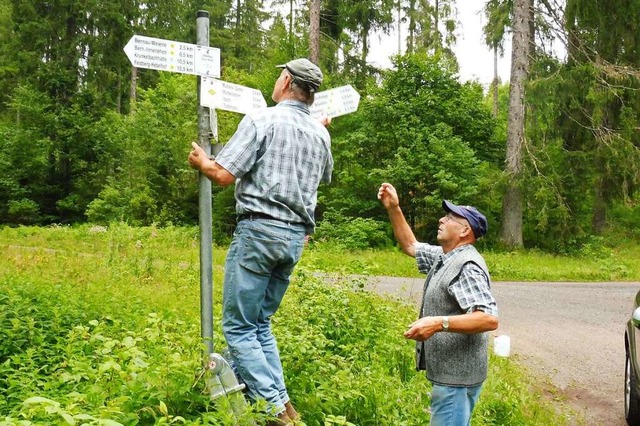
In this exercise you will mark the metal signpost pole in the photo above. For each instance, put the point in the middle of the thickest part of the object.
(221, 379)
(206, 240)
(204, 61)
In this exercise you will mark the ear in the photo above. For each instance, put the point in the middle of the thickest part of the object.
(467, 232)
(286, 84)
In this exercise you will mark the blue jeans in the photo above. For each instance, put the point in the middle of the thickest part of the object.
(452, 406)
(259, 263)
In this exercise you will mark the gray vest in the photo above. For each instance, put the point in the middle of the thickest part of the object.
(451, 359)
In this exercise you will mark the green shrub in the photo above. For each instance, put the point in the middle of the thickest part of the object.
(23, 211)
(352, 233)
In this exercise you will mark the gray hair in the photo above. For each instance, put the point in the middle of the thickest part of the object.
(300, 92)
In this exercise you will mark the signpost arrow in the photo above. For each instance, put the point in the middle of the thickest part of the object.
(230, 97)
(335, 102)
(168, 55)
(219, 94)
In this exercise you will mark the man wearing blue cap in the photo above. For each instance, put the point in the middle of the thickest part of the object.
(457, 307)
(277, 158)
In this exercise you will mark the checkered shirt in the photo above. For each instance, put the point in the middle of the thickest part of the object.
(279, 156)
(471, 288)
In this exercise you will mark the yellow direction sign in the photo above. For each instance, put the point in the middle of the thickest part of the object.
(219, 94)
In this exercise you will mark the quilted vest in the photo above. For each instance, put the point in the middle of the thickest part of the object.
(451, 359)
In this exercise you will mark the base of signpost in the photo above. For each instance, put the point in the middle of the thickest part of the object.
(222, 382)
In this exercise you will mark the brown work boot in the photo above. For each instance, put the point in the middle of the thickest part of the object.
(291, 412)
(282, 420)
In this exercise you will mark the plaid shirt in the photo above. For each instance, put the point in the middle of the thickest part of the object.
(471, 289)
(279, 156)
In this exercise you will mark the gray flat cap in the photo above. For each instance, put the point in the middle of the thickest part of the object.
(305, 74)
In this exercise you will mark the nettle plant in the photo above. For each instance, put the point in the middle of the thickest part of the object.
(139, 368)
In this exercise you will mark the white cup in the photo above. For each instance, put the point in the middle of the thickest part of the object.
(502, 345)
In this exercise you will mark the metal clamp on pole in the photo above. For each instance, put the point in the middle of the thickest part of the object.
(222, 381)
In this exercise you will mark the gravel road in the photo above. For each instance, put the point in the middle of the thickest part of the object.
(570, 335)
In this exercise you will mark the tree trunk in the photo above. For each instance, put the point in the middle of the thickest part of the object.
(412, 26)
(574, 44)
(133, 90)
(511, 233)
(238, 22)
(436, 23)
(531, 46)
(291, 22)
(364, 35)
(314, 31)
(399, 27)
(494, 84)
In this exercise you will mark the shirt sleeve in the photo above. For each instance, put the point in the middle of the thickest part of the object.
(240, 154)
(328, 169)
(472, 290)
(426, 256)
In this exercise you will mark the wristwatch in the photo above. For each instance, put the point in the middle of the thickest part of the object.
(445, 323)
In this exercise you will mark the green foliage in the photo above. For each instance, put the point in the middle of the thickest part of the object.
(8, 65)
(424, 132)
(24, 157)
(498, 14)
(426, 22)
(24, 211)
(626, 217)
(68, 154)
(577, 168)
(583, 154)
(352, 233)
(100, 326)
(136, 206)
(151, 182)
(348, 358)
(332, 258)
(516, 403)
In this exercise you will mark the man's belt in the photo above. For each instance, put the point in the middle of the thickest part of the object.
(257, 215)
(254, 216)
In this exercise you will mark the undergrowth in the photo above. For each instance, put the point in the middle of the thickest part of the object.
(102, 327)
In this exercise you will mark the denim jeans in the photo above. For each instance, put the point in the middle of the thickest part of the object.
(452, 406)
(259, 263)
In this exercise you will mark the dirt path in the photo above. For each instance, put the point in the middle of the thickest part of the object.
(568, 334)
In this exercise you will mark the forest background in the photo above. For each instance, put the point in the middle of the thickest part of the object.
(85, 137)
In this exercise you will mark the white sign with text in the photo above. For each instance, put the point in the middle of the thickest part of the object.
(219, 94)
(335, 102)
(174, 56)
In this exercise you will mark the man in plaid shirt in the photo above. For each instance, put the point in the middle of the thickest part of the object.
(457, 307)
(277, 158)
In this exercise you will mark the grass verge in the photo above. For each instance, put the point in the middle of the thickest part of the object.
(607, 264)
(101, 327)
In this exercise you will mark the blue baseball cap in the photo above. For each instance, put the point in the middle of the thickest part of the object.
(477, 220)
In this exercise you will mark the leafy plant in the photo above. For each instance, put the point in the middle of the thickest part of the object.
(352, 233)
